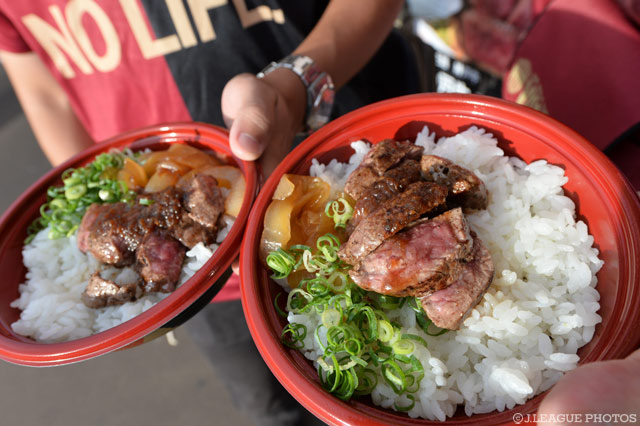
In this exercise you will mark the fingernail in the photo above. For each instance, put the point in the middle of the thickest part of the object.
(249, 143)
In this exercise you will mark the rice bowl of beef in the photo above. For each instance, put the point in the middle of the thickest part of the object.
(175, 289)
(528, 137)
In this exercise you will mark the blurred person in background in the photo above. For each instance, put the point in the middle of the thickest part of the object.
(87, 70)
(576, 60)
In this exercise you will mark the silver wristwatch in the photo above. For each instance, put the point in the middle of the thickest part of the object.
(320, 90)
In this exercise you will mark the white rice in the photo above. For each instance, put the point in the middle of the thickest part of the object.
(541, 307)
(57, 274)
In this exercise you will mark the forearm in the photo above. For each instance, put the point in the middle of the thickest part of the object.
(47, 108)
(348, 35)
(342, 42)
(57, 129)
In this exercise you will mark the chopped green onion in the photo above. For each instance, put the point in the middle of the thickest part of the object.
(277, 306)
(338, 282)
(298, 300)
(368, 380)
(76, 191)
(386, 331)
(393, 375)
(403, 347)
(359, 342)
(58, 204)
(415, 338)
(104, 194)
(340, 211)
(66, 204)
(330, 317)
(281, 262)
(405, 408)
(293, 335)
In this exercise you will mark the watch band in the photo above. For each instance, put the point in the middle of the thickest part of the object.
(319, 86)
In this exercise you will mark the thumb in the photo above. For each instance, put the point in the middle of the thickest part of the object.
(248, 107)
(603, 387)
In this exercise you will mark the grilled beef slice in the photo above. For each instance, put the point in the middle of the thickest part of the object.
(151, 236)
(382, 157)
(83, 235)
(204, 205)
(466, 190)
(384, 188)
(111, 232)
(449, 307)
(203, 200)
(159, 261)
(101, 292)
(425, 258)
(391, 217)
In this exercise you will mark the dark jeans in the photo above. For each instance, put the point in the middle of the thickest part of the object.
(221, 333)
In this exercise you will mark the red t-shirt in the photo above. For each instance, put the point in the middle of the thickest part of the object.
(131, 63)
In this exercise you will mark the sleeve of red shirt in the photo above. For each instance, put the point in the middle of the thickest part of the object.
(10, 39)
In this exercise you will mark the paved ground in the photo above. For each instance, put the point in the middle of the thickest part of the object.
(154, 384)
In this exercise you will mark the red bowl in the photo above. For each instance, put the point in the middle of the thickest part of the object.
(165, 315)
(604, 200)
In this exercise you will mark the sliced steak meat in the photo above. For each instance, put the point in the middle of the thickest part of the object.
(395, 214)
(159, 261)
(388, 153)
(359, 181)
(101, 292)
(165, 211)
(372, 198)
(203, 200)
(111, 232)
(382, 157)
(384, 188)
(83, 236)
(449, 307)
(190, 232)
(466, 190)
(425, 258)
(151, 235)
(404, 173)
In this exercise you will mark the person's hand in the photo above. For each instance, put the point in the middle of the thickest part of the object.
(607, 387)
(263, 115)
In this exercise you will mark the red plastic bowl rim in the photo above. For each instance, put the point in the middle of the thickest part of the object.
(276, 356)
(135, 329)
